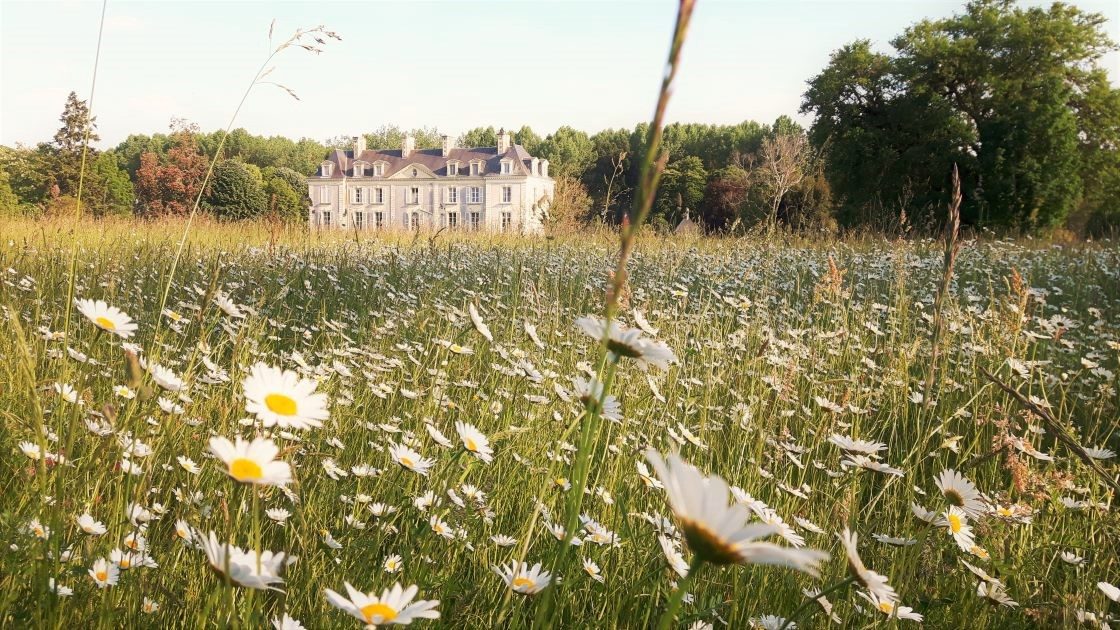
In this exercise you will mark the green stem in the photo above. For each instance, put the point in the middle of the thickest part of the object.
(812, 600)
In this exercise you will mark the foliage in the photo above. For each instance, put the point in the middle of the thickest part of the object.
(285, 194)
(568, 151)
(570, 206)
(235, 191)
(478, 137)
(172, 184)
(682, 188)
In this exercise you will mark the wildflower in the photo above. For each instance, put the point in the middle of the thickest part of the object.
(392, 607)
(410, 459)
(856, 446)
(717, 532)
(287, 622)
(165, 378)
(994, 593)
(107, 318)
(592, 569)
(90, 525)
(875, 583)
(38, 530)
(890, 607)
(104, 574)
(1109, 591)
(252, 462)
(281, 398)
(627, 343)
(393, 564)
(228, 306)
(245, 568)
(278, 515)
(31, 450)
(475, 442)
(956, 522)
(480, 325)
(67, 391)
(961, 493)
(523, 579)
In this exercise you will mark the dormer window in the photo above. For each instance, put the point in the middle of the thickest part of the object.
(452, 169)
(507, 167)
(361, 169)
(476, 168)
(326, 169)
(379, 169)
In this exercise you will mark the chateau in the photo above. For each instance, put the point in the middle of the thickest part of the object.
(499, 188)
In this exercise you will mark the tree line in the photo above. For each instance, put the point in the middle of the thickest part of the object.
(1015, 97)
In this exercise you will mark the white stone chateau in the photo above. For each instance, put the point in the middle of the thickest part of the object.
(500, 188)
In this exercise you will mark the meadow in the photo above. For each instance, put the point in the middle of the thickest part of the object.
(447, 418)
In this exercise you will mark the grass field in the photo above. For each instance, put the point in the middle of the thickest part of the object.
(782, 349)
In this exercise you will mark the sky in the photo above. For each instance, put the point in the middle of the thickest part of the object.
(454, 65)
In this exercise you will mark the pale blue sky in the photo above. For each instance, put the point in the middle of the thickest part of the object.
(450, 64)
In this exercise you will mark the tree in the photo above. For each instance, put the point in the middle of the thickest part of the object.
(9, 202)
(568, 151)
(76, 121)
(478, 137)
(570, 205)
(682, 186)
(527, 138)
(235, 191)
(115, 193)
(1014, 96)
(171, 185)
(724, 197)
(285, 193)
(784, 156)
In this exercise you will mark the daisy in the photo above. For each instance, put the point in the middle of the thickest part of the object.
(246, 568)
(228, 306)
(1100, 453)
(956, 521)
(286, 623)
(31, 450)
(875, 583)
(393, 564)
(90, 525)
(856, 446)
(165, 378)
(149, 606)
(673, 556)
(280, 397)
(994, 593)
(479, 325)
(590, 393)
(475, 442)
(410, 459)
(67, 391)
(188, 465)
(104, 574)
(523, 579)
(890, 607)
(392, 607)
(592, 569)
(1072, 558)
(107, 318)
(961, 493)
(719, 532)
(184, 533)
(252, 462)
(502, 540)
(627, 343)
(278, 515)
(1109, 591)
(439, 438)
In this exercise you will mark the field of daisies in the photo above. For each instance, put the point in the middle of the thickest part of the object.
(294, 430)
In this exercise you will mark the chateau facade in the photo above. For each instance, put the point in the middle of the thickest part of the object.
(500, 188)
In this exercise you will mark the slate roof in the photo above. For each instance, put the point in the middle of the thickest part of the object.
(432, 159)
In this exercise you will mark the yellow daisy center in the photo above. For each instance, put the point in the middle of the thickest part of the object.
(407, 461)
(456, 348)
(280, 404)
(377, 609)
(105, 323)
(125, 563)
(955, 523)
(561, 481)
(1005, 511)
(244, 469)
(101, 576)
(471, 445)
(886, 607)
(522, 582)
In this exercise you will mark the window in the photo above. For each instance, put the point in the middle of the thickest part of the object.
(452, 195)
(325, 218)
(324, 195)
(476, 194)
(507, 221)
(452, 169)
(414, 195)
(359, 170)
(357, 195)
(379, 219)
(452, 220)
(507, 194)
(475, 168)
(414, 172)
(359, 220)
(475, 220)
(415, 221)
(378, 195)
(506, 166)
(378, 169)
(326, 168)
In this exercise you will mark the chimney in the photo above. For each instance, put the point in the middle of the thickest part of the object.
(359, 146)
(408, 145)
(448, 144)
(504, 141)
(544, 168)
(535, 166)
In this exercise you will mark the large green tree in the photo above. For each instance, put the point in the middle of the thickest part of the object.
(235, 191)
(998, 89)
